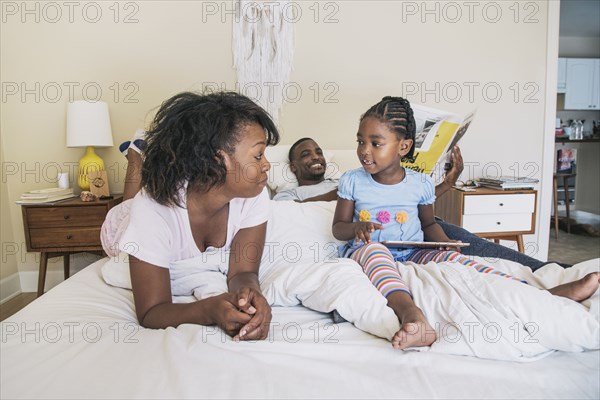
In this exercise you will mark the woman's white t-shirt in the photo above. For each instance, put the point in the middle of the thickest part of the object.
(160, 235)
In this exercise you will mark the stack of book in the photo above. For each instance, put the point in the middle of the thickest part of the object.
(507, 183)
(50, 195)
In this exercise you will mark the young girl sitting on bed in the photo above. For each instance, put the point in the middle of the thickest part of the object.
(202, 187)
(384, 201)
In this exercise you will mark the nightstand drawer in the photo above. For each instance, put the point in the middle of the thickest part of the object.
(66, 216)
(499, 204)
(64, 237)
(64, 228)
(492, 214)
(497, 223)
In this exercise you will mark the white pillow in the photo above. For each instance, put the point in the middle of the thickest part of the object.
(282, 178)
(300, 230)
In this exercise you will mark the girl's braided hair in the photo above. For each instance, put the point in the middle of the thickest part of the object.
(397, 114)
(186, 136)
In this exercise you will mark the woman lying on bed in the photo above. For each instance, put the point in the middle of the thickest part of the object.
(203, 187)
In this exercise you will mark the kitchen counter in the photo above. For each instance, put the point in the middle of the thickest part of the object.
(567, 140)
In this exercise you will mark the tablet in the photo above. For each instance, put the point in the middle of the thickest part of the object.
(397, 244)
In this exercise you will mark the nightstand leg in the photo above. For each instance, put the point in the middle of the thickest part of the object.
(42, 273)
(520, 245)
(67, 264)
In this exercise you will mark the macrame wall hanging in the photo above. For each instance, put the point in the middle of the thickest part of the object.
(263, 50)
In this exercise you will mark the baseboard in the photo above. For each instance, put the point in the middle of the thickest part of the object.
(10, 287)
(29, 280)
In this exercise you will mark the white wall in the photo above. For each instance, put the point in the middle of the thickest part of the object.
(367, 50)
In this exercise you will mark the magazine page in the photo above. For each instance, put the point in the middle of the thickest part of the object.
(462, 129)
(426, 119)
(437, 132)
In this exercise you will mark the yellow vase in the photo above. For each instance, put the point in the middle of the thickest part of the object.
(88, 163)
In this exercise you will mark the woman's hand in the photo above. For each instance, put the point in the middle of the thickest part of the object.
(363, 230)
(254, 304)
(225, 313)
(242, 281)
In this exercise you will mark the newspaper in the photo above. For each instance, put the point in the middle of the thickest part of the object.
(436, 133)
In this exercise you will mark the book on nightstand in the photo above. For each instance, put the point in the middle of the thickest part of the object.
(50, 195)
(507, 183)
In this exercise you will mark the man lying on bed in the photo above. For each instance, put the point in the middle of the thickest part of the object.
(308, 164)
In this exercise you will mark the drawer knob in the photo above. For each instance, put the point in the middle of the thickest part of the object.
(67, 216)
(498, 223)
(69, 236)
(501, 204)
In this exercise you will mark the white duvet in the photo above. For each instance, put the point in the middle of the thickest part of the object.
(474, 314)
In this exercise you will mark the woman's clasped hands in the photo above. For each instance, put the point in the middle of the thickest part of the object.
(245, 315)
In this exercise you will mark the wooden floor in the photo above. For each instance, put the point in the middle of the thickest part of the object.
(15, 304)
(570, 248)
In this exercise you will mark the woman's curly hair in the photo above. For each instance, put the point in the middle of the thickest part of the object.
(397, 114)
(186, 136)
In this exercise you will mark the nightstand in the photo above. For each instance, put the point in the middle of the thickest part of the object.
(64, 228)
(491, 214)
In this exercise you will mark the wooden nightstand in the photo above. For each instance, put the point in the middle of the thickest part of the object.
(64, 228)
(491, 214)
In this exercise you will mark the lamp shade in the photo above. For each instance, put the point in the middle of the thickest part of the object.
(88, 124)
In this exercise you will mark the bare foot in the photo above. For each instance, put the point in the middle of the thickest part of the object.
(414, 331)
(578, 290)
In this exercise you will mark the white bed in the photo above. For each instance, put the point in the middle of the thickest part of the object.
(82, 340)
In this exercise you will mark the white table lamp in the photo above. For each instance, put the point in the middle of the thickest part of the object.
(88, 125)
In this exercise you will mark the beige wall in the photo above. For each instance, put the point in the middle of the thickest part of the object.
(373, 49)
(10, 248)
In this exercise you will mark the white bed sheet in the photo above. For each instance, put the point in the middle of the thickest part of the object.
(82, 340)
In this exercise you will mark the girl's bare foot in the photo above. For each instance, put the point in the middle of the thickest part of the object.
(578, 290)
(414, 331)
